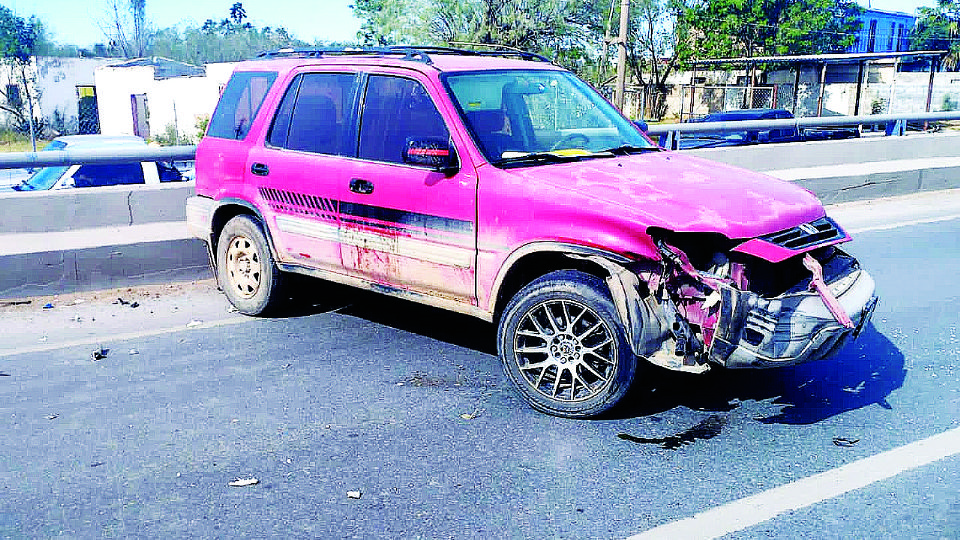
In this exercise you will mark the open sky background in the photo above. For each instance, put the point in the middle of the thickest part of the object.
(79, 22)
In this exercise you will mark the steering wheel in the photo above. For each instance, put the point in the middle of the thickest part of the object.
(572, 140)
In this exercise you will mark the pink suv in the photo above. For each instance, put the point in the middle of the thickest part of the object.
(505, 188)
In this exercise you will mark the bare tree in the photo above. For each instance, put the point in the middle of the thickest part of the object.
(125, 27)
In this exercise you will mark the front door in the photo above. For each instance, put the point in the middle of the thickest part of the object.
(403, 225)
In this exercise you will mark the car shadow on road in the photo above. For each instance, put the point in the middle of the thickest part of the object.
(442, 325)
(865, 372)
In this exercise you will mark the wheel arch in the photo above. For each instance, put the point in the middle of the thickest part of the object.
(534, 260)
(228, 209)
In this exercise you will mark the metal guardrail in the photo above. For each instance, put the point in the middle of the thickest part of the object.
(178, 153)
(13, 160)
(898, 121)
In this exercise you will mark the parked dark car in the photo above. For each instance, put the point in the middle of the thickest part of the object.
(756, 136)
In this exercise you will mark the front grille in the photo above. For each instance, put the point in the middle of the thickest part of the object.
(807, 235)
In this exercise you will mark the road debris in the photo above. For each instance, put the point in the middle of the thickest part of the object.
(845, 442)
(855, 389)
(470, 416)
(100, 353)
(243, 482)
(354, 494)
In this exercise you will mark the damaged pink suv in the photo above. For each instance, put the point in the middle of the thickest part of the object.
(503, 187)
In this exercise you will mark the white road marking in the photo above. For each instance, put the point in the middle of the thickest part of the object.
(114, 338)
(889, 226)
(755, 509)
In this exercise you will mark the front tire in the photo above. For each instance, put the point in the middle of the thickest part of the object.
(246, 270)
(563, 346)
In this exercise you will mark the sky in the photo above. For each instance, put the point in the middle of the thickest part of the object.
(78, 22)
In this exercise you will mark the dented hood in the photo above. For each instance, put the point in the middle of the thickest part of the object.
(680, 193)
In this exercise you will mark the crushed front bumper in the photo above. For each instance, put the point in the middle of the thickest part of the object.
(758, 332)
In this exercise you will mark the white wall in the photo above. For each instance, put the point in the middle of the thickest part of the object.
(58, 79)
(179, 100)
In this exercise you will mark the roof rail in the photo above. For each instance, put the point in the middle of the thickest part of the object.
(417, 53)
(411, 54)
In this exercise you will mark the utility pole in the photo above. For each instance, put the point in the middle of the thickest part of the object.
(621, 85)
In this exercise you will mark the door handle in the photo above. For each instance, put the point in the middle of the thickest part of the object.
(361, 186)
(260, 169)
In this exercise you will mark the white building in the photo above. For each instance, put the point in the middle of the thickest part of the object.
(152, 97)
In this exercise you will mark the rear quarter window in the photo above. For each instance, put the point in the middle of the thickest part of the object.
(239, 104)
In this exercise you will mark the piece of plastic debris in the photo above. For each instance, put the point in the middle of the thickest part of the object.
(97, 463)
(242, 482)
(78, 301)
(354, 494)
(48, 306)
(135, 304)
(43, 339)
(121, 301)
(53, 416)
(100, 354)
(15, 303)
(134, 351)
(854, 389)
(845, 442)
(194, 323)
(471, 416)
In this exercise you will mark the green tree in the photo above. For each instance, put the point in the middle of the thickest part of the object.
(566, 30)
(19, 40)
(938, 29)
(732, 28)
(228, 40)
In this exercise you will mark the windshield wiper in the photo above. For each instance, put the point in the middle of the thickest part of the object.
(627, 149)
(541, 157)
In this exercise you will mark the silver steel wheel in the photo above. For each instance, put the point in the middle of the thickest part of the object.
(565, 351)
(244, 267)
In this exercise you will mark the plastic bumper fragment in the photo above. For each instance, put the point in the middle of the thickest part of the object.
(758, 332)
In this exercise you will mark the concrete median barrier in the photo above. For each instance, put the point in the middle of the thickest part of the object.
(73, 240)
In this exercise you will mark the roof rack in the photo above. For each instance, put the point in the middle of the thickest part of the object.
(414, 53)
(410, 54)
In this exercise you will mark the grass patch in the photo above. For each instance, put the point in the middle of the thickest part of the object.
(11, 141)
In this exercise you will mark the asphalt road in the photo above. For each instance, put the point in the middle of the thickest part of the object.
(407, 406)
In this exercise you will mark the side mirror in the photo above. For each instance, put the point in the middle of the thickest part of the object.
(642, 125)
(433, 152)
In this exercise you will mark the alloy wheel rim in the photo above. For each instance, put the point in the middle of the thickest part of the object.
(564, 351)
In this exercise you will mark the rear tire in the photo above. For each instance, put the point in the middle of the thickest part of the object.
(563, 346)
(246, 270)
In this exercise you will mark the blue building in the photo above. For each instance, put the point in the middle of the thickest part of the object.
(883, 31)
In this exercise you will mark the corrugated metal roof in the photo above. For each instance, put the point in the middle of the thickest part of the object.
(816, 58)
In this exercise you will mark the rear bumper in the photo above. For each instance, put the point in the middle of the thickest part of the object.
(757, 332)
(200, 216)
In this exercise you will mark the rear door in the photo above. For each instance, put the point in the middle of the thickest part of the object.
(402, 225)
(300, 168)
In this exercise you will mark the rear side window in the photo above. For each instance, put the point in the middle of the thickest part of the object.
(316, 114)
(239, 104)
(108, 175)
(395, 110)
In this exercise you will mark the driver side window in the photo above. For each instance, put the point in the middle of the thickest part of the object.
(395, 110)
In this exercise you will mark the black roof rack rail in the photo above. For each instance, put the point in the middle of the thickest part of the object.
(417, 53)
(498, 51)
(407, 54)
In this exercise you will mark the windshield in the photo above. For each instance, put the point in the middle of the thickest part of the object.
(44, 178)
(518, 113)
